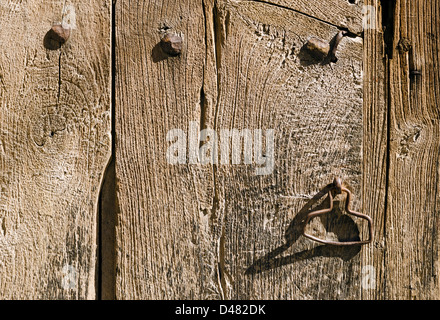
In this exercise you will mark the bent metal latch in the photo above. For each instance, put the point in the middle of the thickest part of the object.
(338, 189)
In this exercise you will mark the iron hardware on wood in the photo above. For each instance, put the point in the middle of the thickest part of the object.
(338, 189)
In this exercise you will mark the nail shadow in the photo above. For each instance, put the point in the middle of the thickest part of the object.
(49, 43)
(157, 54)
(341, 224)
(306, 58)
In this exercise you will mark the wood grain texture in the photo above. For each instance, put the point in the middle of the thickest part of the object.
(340, 13)
(211, 228)
(206, 231)
(267, 81)
(412, 219)
(245, 232)
(164, 248)
(375, 155)
(54, 146)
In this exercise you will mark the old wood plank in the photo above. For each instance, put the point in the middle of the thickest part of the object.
(54, 145)
(164, 247)
(204, 231)
(412, 219)
(375, 155)
(267, 81)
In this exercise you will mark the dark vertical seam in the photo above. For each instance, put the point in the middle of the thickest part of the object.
(388, 24)
(387, 168)
(218, 42)
(106, 183)
(99, 252)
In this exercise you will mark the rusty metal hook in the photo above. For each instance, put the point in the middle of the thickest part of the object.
(338, 188)
(341, 34)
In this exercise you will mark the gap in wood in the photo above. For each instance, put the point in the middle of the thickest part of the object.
(388, 8)
(107, 236)
(108, 204)
(388, 13)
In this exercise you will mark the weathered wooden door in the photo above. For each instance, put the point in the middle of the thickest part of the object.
(129, 172)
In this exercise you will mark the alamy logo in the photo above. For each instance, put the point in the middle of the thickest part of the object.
(69, 17)
(369, 17)
(225, 147)
(70, 277)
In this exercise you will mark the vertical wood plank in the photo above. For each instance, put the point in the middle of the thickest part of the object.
(375, 144)
(267, 81)
(412, 224)
(55, 143)
(164, 249)
(206, 231)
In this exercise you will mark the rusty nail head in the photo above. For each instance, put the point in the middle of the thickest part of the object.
(318, 48)
(323, 50)
(171, 44)
(415, 72)
(59, 34)
(337, 184)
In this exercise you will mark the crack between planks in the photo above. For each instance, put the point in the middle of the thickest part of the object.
(387, 169)
(59, 78)
(108, 205)
(388, 17)
(434, 231)
(106, 235)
